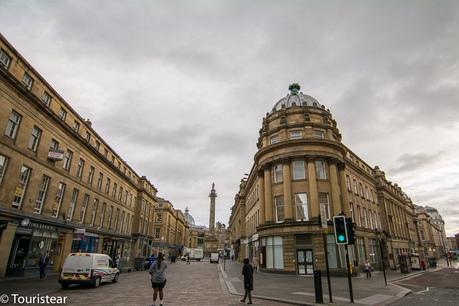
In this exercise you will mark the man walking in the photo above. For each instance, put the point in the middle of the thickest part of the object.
(43, 262)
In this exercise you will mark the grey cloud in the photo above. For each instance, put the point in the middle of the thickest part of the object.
(413, 161)
(179, 88)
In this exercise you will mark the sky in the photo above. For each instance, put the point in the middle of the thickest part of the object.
(179, 88)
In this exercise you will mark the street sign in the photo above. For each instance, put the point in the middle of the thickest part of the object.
(339, 224)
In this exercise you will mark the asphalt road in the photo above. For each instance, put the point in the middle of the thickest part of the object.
(433, 288)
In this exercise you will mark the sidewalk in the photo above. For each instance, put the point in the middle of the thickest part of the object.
(299, 290)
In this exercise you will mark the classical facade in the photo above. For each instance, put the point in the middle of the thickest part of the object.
(303, 175)
(62, 187)
(143, 225)
(431, 231)
(171, 230)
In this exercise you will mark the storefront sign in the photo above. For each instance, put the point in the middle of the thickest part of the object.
(42, 226)
(79, 234)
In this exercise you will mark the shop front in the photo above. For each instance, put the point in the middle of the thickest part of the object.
(32, 240)
(84, 242)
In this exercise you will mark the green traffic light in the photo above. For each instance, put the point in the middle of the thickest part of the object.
(341, 238)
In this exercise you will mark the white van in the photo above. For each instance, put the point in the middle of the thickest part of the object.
(214, 257)
(88, 268)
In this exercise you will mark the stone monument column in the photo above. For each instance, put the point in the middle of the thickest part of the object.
(212, 196)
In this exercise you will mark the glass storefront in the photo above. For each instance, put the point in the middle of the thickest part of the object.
(87, 244)
(41, 242)
(274, 252)
(30, 242)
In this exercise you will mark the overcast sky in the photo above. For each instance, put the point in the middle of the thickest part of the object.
(179, 88)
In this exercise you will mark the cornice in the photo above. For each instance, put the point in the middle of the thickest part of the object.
(33, 100)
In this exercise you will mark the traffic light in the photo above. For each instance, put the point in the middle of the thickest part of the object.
(339, 223)
(350, 231)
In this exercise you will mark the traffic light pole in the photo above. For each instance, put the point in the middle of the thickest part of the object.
(324, 235)
(349, 279)
(382, 261)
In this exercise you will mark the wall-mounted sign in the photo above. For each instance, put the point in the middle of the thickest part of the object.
(55, 155)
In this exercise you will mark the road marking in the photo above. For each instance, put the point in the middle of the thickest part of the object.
(374, 299)
(325, 296)
(423, 291)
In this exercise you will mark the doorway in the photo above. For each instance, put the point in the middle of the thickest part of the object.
(305, 264)
(18, 255)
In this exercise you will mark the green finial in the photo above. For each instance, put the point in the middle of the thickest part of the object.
(294, 88)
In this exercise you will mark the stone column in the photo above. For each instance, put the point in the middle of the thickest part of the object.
(66, 248)
(344, 194)
(261, 195)
(334, 189)
(6, 243)
(212, 196)
(268, 195)
(313, 194)
(287, 185)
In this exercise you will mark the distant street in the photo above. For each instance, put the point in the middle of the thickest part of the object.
(433, 288)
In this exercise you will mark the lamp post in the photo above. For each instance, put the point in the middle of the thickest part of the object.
(379, 233)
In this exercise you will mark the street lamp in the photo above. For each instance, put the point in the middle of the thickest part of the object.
(380, 233)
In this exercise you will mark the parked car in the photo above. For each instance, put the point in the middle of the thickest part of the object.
(214, 257)
(88, 268)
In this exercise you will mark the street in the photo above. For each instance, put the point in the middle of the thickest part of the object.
(432, 288)
(195, 284)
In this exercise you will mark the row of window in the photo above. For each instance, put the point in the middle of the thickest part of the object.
(253, 222)
(359, 189)
(46, 98)
(299, 171)
(11, 131)
(297, 134)
(365, 218)
(301, 206)
(121, 223)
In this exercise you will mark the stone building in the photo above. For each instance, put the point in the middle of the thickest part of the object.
(302, 176)
(143, 226)
(171, 230)
(62, 187)
(431, 231)
(452, 244)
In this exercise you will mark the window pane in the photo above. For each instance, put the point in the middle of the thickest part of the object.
(298, 170)
(295, 134)
(320, 170)
(278, 257)
(279, 204)
(3, 162)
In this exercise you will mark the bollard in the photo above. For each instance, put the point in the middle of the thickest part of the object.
(318, 286)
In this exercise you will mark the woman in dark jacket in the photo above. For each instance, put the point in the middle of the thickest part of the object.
(247, 271)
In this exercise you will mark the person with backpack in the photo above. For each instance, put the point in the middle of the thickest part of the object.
(158, 278)
(247, 271)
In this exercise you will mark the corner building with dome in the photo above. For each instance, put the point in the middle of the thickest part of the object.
(302, 170)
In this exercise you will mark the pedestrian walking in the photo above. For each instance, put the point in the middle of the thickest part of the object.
(255, 263)
(368, 268)
(188, 259)
(247, 271)
(43, 263)
(158, 278)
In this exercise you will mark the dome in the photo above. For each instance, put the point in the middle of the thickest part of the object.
(295, 97)
(188, 217)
